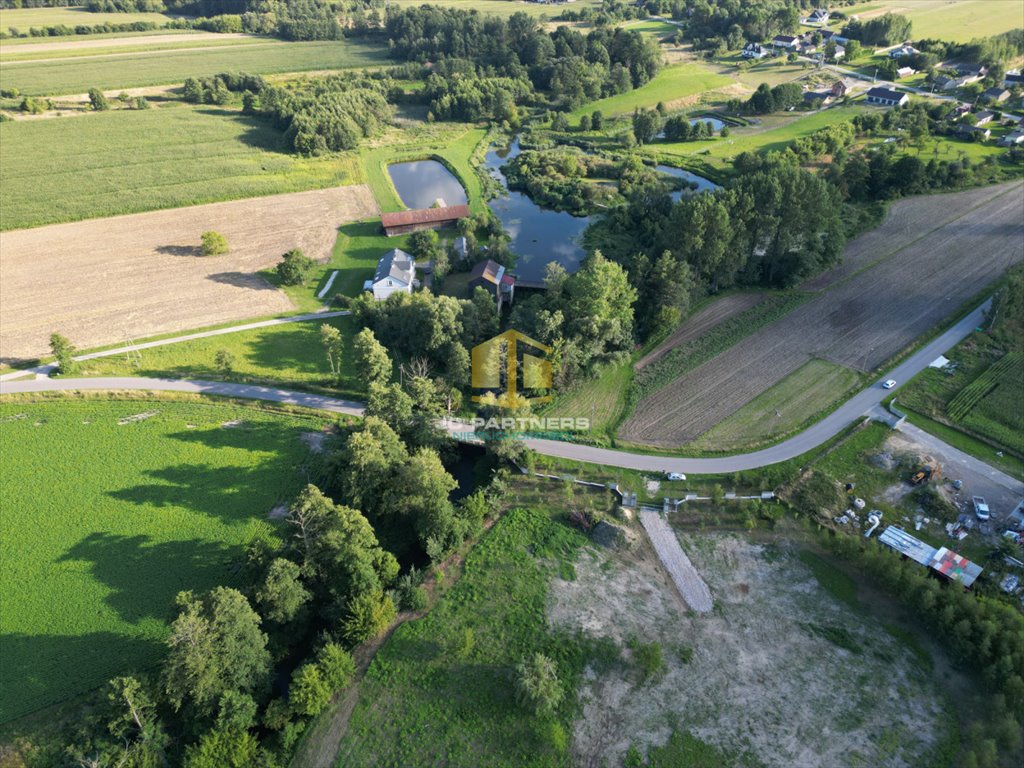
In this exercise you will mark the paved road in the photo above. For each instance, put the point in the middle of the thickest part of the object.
(863, 403)
(46, 369)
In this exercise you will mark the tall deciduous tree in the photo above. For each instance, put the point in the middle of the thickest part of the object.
(371, 358)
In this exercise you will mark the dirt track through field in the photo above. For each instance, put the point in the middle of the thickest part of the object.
(859, 323)
(106, 281)
(716, 313)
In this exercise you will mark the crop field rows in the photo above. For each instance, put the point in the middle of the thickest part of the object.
(859, 324)
(154, 497)
(104, 281)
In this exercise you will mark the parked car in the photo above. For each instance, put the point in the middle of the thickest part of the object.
(675, 476)
(981, 510)
(889, 384)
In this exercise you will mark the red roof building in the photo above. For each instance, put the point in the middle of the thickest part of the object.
(403, 222)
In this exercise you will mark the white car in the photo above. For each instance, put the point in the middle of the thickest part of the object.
(675, 476)
(889, 384)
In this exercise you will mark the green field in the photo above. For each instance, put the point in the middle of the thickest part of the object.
(982, 397)
(427, 700)
(179, 41)
(782, 409)
(130, 161)
(105, 522)
(956, 20)
(601, 399)
(288, 355)
(775, 133)
(77, 75)
(23, 18)
(669, 85)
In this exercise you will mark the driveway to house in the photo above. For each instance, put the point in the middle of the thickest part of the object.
(865, 403)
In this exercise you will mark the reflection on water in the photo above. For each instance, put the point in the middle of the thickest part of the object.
(538, 236)
(421, 182)
(703, 185)
(716, 124)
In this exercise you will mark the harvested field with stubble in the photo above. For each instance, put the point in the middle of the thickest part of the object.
(780, 674)
(701, 322)
(859, 323)
(103, 281)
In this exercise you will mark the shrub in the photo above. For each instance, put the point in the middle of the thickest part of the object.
(224, 361)
(295, 268)
(649, 659)
(97, 100)
(64, 351)
(214, 243)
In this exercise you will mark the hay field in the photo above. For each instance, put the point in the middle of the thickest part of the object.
(102, 281)
(859, 324)
(956, 20)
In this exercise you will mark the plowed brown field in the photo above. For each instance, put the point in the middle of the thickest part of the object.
(106, 280)
(970, 238)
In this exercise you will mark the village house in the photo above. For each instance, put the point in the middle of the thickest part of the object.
(887, 97)
(788, 42)
(492, 277)
(985, 116)
(1013, 78)
(817, 16)
(754, 51)
(902, 50)
(973, 131)
(1014, 139)
(905, 72)
(996, 95)
(395, 273)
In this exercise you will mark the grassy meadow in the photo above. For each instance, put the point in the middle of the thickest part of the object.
(107, 518)
(439, 692)
(288, 355)
(670, 85)
(78, 74)
(956, 20)
(125, 161)
(123, 45)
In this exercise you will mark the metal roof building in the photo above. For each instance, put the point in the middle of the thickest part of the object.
(939, 559)
(905, 544)
(954, 566)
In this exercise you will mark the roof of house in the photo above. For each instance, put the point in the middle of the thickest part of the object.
(970, 68)
(810, 96)
(424, 216)
(753, 47)
(887, 94)
(489, 270)
(985, 114)
(955, 566)
(965, 128)
(785, 39)
(396, 264)
(905, 544)
(1011, 77)
(997, 92)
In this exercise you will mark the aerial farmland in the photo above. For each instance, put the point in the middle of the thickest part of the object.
(511, 383)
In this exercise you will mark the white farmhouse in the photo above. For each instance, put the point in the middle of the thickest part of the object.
(396, 272)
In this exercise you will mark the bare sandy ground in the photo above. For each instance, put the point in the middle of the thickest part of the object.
(104, 281)
(761, 680)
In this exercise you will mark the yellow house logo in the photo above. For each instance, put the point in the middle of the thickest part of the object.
(513, 363)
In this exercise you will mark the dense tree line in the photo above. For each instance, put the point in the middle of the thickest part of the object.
(767, 99)
(467, 97)
(888, 29)
(557, 179)
(569, 66)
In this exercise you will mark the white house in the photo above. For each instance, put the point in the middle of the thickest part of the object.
(817, 16)
(396, 272)
(903, 50)
(754, 51)
(887, 97)
(786, 41)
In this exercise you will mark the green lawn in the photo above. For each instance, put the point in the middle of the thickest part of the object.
(776, 132)
(781, 410)
(77, 75)
(956, 20)
(670, 84)
(130, 161)
(23, 18)
(288, 355)
(427, 700)
(105, 522)
(453, 144)
(10, 43)
(601, 399)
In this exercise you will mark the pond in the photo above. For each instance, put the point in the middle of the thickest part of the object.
(703, 185)
(422, 182)
(538, 236)
(716, 124)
